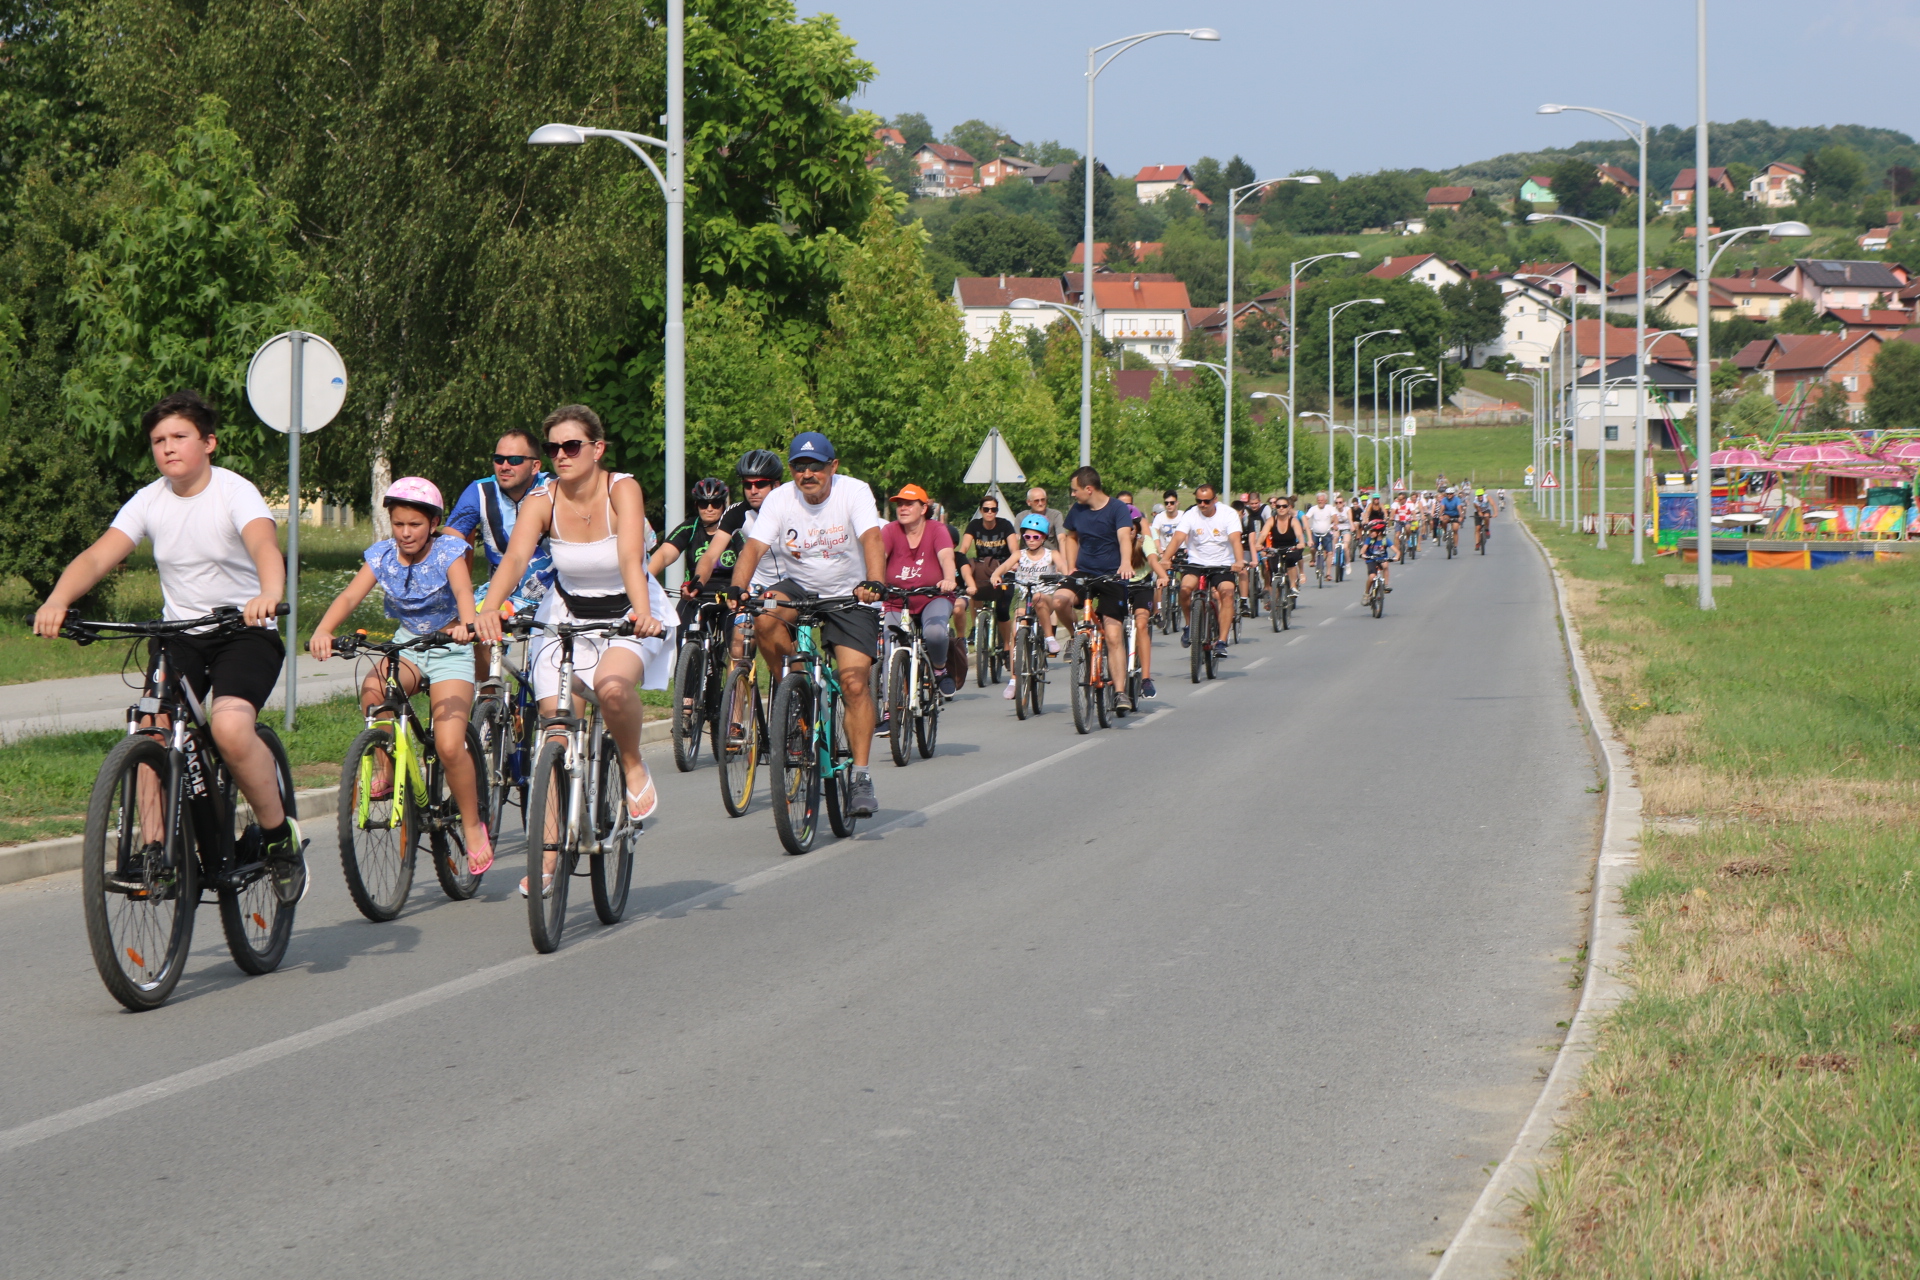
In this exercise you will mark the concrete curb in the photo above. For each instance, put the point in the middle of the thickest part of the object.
(1487, 1240)
(48, 857)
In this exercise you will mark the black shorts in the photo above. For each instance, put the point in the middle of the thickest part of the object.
(1290, 556)
(1214, 574)
(854, 628)
(1376, 566)
(243, 664)
(1109, 598)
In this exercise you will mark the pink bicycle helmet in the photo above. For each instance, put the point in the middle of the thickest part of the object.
(415, 491)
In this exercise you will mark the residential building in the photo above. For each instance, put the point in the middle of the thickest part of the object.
(1684, 184)
(1430, 269)
(944, 170)
(1875, 239)
(1531, 325)
(1538, 189)
(1670, 388)
(1061, 172)
(1451, 199)
(1829, 284)
(1845, 360)
(1142, 250)
(1665, 287)
(1142, 315)
(1858, 320)
(1777, 186)
(1666, 347)
(1619, 179)
(1156, 180)
(1755, 295)
(1563, 279)
(890, 138)
(1070, 281)
(986, 301)
(1005, 168)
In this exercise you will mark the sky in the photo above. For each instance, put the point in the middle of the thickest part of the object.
(1386, 84)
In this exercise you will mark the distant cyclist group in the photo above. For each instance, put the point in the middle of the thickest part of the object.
(808, 626)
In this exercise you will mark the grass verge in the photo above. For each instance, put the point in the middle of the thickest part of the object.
(1751, 1109)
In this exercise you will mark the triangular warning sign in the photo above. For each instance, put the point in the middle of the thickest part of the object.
(994, 462)
(1550, 482)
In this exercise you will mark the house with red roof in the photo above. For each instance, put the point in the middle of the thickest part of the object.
(944, 170)
(1684, 183)
(1451, 199)
(1430, 269)
(1617, 178)
(1844, 360)
(1006, 169)
(1156, 180)
(1777, 186)
(1562, 279)
(1875, 239)
(1665, 285)
(1753, 293)
(1141, 314)
(1855, 320)
(986, 301)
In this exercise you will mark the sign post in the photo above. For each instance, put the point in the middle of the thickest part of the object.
(296, 384)
(994, 461)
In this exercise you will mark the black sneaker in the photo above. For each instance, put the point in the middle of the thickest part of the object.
(286, 860)
(861, 802)
(1147, 689)
(1186, 637)
(946, 685)
(1220, 650)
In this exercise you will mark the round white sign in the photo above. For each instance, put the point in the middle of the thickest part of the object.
(323, 376)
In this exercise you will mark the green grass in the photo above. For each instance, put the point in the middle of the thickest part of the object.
(1752, 1107)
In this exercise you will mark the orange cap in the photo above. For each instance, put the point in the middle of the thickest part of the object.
(911, 493)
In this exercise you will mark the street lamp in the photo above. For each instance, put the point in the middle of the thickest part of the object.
(1599, 232)
(1293, 343)
(1086, 276)
(1534, 387)
(1355, 402)
(1332, 395)
(1396, 433)
(1375, 433)
(1035, 304)
(1420, 377)
(1235, 195)
(673, 188)
(1637, 130)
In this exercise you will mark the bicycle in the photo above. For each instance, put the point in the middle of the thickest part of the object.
(744, 713)
(380, 830)
(1280, 610)
(1029, 656)
(810, 749)
(579, 792)
(913, 685)
(1320, 554)
(504, 718)
(1376, 597)
(161, 827)
(1204, 630)
(1339, 558)
(1090, 687)
(699, 671)
(990, 657)
(1452, 538)
(1482, 534)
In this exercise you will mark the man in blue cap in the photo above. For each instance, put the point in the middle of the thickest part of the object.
(821, 532)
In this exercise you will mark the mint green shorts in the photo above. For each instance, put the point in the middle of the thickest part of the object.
(452, 662)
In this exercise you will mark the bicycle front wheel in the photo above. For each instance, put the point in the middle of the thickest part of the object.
(899, 694)
(1022, 672)
(548, 799)
(1081, 692)
(926, 725)
(493, 723)
(257, 924)
(796, 764)
(377, 826)
(737, 737)
(839, 786)
(983, 646)
(611, 872)
(140, 880)
(689, 704)
(449, 837)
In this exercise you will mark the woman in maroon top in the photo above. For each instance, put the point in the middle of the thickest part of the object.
(920, 554)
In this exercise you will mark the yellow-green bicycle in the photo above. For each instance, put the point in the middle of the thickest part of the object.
(393, 789)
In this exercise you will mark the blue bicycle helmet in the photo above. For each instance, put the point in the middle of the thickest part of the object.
(1037, 523)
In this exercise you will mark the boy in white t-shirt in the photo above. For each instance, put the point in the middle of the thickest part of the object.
(215, 544)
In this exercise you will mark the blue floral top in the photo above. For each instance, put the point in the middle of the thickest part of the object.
(419, 597)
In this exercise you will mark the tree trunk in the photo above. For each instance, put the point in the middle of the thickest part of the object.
(382, 476)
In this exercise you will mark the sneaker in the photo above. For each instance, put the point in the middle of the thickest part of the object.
(1008, 694)
(1186, 638)
(946, 685)
(1220, 650)
(286, 859)
(861, 802)
(1147, 690)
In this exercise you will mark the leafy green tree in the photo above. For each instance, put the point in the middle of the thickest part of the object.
(1893, 401)
(58, 502)
(991, 243)
(49, 119)
(1799, 316)
(1579, 191)
(998, 387)
(977, 138)
(1729, 336)
(1835, 172)
(1200, 262)
(1410, 307)
(1237, 173)
(744, 390)
(1107, 220)
(914, 128)
(1826, 410)
(1475, 312)
(1049, 153)
(1208, 177)
(194, 273)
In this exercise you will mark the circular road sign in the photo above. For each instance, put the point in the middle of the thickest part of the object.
(270, 382)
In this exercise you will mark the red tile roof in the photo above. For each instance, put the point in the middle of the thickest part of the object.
(1614, 173)
(1448, 195)
(1134, 294)
(1750, 285)
(1716, 177)
(1656, 277)
(1750, 356)
(1164, 173)
(1394, 268)
(952, 155)
(1800, 352)
(1866, 318)
(893, 136)
(998, 291)
(1586, 338)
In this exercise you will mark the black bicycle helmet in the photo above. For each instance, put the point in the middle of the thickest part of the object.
(760, 464)
(710, 488)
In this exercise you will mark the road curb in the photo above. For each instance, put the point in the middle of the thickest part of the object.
(49, 857)
(1488, 1240)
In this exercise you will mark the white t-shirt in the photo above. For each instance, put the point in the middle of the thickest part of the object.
(1163, 525)
(1209, 541)
(196, 541)
(1320, 519)
(818, 547)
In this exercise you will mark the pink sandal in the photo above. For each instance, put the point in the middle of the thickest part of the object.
(477, 863)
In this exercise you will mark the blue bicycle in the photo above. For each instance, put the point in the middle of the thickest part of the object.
(504, 714)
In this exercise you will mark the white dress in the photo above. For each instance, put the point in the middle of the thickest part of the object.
(593, 569)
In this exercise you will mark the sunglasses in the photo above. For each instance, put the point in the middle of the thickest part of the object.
(1033, 537)
(990, 511)
(759, 484)
(805, 466)
(703, 504)
(564, 448)
(512, 459)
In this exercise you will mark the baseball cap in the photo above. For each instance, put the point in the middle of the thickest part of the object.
(811, 444)
(910, 493)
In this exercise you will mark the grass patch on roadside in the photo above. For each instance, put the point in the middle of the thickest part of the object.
(1753, 1107)
(1492, 457)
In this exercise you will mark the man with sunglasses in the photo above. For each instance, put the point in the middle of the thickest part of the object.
(490, 507)
(1214, 563)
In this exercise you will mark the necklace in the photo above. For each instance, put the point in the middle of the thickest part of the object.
(585, 517)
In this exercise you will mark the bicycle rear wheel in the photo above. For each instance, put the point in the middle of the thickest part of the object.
(983, 643)
(257, 924)
(494, 724)
(899, 693)
(1379, 598)
(611, 872)
(688, 713)
(796, 764)
(839, 786)
(377, 835)
(449, 842)
(140, 879)
(926, 725)
(739, 757)
(1198, 630)
(547, 798)
(1080, 689)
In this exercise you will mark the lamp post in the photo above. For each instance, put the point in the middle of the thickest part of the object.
(1599, 232)
(1533, 397)
(1328, 419)
(1235, 196)
(1407, 389)
(1355, 402)
(1395, 355)
(1293, 342)
(1393, 412)
(1557, 352)
(1637, 130)
(1287, 401)
(673, 187)
(1074, 315)
(1222, 373)
(1332, 393)
(1086, 276)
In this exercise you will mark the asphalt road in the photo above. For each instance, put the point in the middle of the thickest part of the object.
(1256, 985)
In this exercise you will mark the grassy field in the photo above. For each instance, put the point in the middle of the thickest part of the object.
(1752, 1109)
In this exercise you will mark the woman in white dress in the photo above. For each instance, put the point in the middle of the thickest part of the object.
(595, 525)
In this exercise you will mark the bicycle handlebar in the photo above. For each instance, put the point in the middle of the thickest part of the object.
(359, 642)
(224, 619)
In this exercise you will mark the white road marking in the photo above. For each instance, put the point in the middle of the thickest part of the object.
(194, 1077)
(1257, 661)
(1295, 640)
(1329, 622)
(1209, 689)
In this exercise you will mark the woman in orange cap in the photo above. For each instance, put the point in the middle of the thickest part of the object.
(920, 554)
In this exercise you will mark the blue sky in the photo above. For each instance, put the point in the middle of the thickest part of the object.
(1385, 84)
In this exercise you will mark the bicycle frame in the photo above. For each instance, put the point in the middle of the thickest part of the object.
(517, 761)
(408, 754)
(583, 757)
(826, 690)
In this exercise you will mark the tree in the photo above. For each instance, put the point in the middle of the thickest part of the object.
(1579, 191)
(1106, 211)
(1900, 182)
(1238, 173)
(1475, 313)
(58, 502)
(1834, 172)
(1049, 153)
(1208, 178)
(1893, 401)
(1410, 307)
(49, 120)
(193, 274)
(998, 387)
(1799, 316)
(1827, 410)
(991, 243)
(914, 128)
(744, 390)
(1200, 261)
(977, 138)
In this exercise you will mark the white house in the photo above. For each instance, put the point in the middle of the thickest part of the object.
(985, 301)
(1142, 314)
(1531, 327)
(1777, 185)
(1157, 180)
(1430, 269)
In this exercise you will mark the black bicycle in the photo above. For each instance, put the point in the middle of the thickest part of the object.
(699, 676)
(164, 824)
(1204, 630)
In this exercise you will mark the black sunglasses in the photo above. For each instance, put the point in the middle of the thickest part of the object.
(512, 459)
(757, 484)
(701, 504)
(571, 448)
(800, 466)
(990, 510)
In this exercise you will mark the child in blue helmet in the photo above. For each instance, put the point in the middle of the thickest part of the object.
(1036, 559)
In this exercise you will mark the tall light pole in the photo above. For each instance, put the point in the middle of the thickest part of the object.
(1393, 410)
(1226, 449)
(1637, 130)
(1407, 388)
(1086, 276)
(1235, 196)
(1332, 392)
(673, 188)
(1599, 232)
(1355, 402)
(1534, 389)
(1293, 342)
(1287, 401)
(1376, 420)
(1556, 354)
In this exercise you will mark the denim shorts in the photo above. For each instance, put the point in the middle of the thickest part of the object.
(452, 662)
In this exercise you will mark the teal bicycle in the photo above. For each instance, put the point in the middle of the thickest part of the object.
(808, 723)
